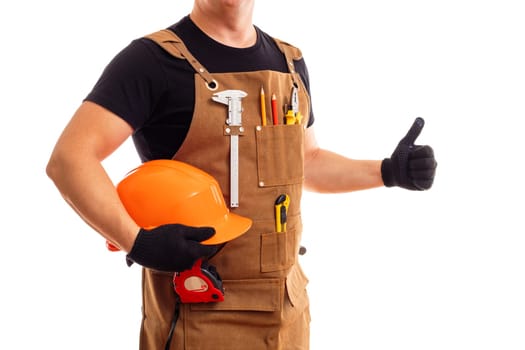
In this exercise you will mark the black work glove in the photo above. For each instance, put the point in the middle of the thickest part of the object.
(411, 166)
(172, 247)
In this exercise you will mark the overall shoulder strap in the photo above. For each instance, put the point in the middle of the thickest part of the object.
(291, 53)
(172, 44)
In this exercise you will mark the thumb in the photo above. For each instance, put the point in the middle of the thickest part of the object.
(413, 133)
(199, 234)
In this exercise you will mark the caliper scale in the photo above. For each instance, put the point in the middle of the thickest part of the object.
(233, 128)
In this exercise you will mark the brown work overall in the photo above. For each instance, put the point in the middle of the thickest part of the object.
(266, 305)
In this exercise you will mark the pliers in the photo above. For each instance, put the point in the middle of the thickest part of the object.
(293, 116)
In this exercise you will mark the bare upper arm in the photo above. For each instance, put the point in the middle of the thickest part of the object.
(93, 131)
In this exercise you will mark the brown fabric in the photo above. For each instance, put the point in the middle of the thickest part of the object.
(266, 305)
(170, 42)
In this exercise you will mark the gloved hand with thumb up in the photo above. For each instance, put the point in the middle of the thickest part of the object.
(410, 166)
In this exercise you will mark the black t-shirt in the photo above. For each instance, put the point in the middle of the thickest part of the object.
(154, 92)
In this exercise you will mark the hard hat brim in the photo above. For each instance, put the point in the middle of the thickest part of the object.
(230, 228)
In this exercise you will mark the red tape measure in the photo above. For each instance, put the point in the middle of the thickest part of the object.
(201, 284)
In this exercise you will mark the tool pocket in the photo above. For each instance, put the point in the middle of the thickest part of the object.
(276, 250)
(279, 249)
(280, 155)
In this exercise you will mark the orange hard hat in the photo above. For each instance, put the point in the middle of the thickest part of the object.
(164, 191)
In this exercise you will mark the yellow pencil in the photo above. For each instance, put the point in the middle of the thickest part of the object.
(263, 107)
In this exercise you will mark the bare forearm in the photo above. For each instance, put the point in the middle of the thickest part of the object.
(92, 134)
(329, 172)
(85, 186)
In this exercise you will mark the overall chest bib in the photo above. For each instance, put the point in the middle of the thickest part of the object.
(265, 302)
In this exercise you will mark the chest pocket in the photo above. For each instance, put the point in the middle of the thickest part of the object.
(280, 156)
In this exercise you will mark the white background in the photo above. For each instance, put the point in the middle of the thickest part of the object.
(388, 268)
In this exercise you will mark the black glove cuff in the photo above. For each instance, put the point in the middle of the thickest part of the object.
(387, 173)
(141, 248)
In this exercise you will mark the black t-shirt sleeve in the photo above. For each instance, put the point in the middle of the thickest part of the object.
(131, 84)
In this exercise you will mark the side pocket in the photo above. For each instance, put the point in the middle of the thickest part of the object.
(280, 157)
(296, 283)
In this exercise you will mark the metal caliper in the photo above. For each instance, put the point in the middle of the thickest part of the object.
(232, 98)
